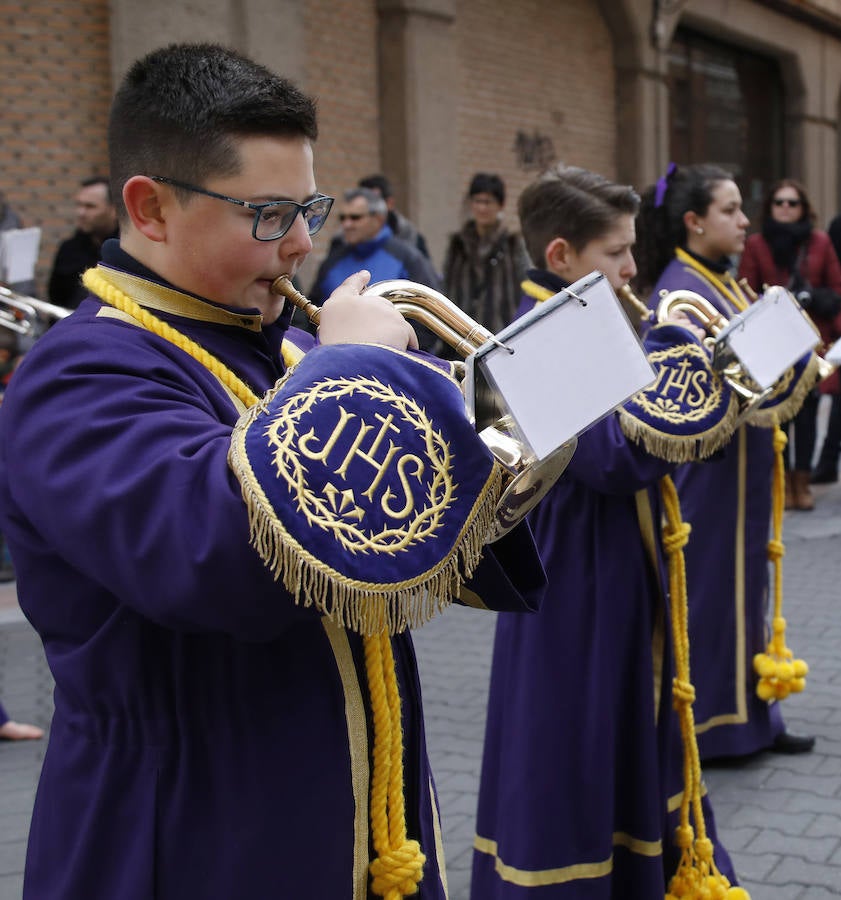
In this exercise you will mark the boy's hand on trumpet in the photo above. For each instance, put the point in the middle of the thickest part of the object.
(678, 317)
(348, 317)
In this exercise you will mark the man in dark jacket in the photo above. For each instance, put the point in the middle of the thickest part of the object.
(96, 220)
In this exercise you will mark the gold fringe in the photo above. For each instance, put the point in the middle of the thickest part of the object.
(366, 608)
(679, 448)
(790, 407)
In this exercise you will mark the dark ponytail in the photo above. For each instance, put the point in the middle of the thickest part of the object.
(660, 226)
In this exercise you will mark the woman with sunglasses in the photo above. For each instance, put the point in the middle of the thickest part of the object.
(791, 252)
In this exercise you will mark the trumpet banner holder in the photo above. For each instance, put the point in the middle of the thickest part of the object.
(689, 411)
(369, 493)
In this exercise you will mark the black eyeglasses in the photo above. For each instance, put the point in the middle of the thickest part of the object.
(786, 201)
(354, 217)
(271, 220)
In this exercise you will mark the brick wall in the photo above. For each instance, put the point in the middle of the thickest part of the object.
(55, 73)
(340, 69)
(537, 83)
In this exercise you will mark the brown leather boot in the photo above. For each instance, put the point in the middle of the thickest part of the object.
(789, 501)
(803, 498)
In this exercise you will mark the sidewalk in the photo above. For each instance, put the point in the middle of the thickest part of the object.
(780, 817)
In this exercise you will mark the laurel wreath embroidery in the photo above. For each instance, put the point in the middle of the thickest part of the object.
(663, 407)
(284, 435)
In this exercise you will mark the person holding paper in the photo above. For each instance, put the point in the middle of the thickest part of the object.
(690, 224)
(791, 252)
(582, 756)
(11, 221)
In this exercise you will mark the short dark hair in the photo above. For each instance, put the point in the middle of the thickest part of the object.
(807, 213)
(574, 204)
(98, 179)
(377, 183)
(660, 225)
(181, 108)
(487, 183)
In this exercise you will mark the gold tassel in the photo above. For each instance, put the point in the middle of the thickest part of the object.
(779, 673)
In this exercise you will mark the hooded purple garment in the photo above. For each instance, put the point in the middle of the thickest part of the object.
(210, 739)
(582, 752)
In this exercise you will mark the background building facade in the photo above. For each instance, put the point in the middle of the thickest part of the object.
(430, 91)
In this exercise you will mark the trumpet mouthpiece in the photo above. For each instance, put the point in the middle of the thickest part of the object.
(283, 287)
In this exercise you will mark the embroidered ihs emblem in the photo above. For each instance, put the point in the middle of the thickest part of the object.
(686, 388)
(363, 462)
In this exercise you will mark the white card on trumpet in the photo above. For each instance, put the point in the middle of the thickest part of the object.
(833, 355)
(566, 364)
(770, 336)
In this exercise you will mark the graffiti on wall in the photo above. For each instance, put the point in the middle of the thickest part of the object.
(534, 152)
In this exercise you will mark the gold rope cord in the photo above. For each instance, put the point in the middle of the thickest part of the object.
(399, 867)
(779, 673)
(697, 876)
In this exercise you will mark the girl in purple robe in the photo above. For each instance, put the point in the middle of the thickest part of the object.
(690, 224)
(581, 775)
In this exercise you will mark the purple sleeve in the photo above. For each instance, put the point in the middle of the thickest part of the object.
(510, 577)
(116, 468)
(610, 463)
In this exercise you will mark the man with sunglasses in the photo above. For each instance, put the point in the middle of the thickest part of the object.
(367, 242)
(211, 734)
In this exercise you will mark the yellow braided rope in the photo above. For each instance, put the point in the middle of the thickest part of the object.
(697, 877)
(779, 673)
(97, 283)
(398, 869)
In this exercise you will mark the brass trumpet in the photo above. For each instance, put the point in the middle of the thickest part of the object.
(713, 322)
(763, 408)
(531, 479)
(32, 310)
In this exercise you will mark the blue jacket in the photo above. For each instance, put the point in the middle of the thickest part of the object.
(385, 257)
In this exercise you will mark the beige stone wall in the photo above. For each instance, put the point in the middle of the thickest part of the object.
(56, 81)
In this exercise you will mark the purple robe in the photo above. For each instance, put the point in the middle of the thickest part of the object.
(727, 500)
(210, 739)
(582, 760)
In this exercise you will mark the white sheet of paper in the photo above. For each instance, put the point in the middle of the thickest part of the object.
(18, 254)
(571, 365)
(833, 355)
(770, 336)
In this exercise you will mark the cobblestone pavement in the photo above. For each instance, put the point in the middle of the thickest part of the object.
(780, 817)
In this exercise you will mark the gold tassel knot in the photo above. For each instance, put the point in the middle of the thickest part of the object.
(780, 674)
